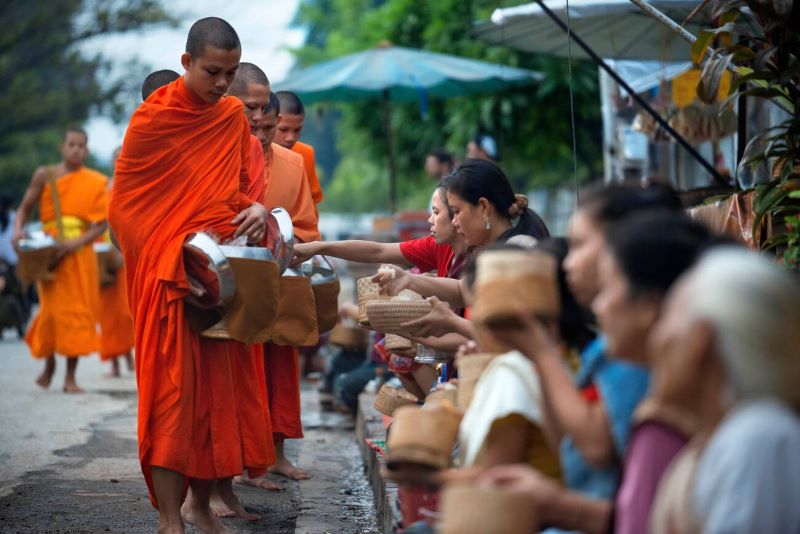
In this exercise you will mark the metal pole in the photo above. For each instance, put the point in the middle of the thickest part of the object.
(387, 117)
(665, 20)
(639, 100)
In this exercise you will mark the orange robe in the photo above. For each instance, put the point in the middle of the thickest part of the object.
(67, 320)
(116, 323)
(310, 164)
(247, 364)
(287, 187)
(180, 171)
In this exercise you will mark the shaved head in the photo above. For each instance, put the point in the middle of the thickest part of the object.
(157, 79)
(213, 32)
(245, 75)
(274, 105)
(291, 103)
(74, 129)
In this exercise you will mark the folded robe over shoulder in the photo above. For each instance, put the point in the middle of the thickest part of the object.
(183, 168)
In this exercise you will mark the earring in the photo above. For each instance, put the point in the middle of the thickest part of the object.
(486, 222)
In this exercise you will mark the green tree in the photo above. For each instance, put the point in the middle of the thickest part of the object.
(47, 83)
(532, 126)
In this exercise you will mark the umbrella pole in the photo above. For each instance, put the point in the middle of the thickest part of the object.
(387, 118)
(639, 100)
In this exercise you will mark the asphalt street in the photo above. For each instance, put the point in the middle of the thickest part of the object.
(69, 464)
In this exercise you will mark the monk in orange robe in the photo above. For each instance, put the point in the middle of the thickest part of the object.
(290, 127)
(251, 86)
(287, 187)
(116, 323)
(183, 167)
(76, 216)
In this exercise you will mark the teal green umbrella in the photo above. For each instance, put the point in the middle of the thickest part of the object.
(396, 74)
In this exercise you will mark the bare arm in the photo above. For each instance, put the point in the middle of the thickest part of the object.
(29, 201)
(352, 250)
(446, 289)
(448, 343)
(585, 422)
(506, 444)
(439, 322)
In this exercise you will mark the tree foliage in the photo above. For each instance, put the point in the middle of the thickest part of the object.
(48, 83)
(532, 126)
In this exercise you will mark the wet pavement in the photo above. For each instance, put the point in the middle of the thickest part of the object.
(68, 463)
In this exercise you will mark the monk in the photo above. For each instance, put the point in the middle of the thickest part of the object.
(287, 187)
(290, 126)
(157, 79)
(72, 203)
(182, 169)
(251, 86)
(116, 323)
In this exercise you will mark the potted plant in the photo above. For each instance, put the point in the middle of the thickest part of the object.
(760, 41)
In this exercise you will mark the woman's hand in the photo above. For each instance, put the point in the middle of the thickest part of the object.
(392, 279)
(303, 252)
(437, 323)
(521, 479)
(531, 336)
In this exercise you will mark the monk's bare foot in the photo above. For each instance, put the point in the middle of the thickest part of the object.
(73, 388)
(259, 482)
(129, 361)
(171, 527)
(225, 503)
(203, 519)
(114, 369)
(44, 379)
(219, 508)
(286, 469)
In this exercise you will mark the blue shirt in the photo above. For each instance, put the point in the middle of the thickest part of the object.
(621, 387)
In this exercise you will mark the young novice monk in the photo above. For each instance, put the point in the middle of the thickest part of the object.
(290, 126)
(286, 187)
(183, 165)
(72, 204)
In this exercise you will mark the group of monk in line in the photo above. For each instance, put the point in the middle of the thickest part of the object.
(212, 150)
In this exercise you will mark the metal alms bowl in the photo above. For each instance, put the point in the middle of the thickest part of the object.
(207, 266)
(319, 270)
(280, 237)
(251, 253)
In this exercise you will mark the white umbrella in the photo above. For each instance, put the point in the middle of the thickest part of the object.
(614, 29)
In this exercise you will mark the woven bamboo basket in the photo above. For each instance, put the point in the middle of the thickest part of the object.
(422, 436)
(398, 344)
(508, 281)
(367, 290)
(387, 316)
(470, 369)
(474, 509)
(350, 337)
(390, 398)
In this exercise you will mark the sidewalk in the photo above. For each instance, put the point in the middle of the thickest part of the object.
(69, 463)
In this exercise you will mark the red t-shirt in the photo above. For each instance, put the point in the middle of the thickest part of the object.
(426, 254)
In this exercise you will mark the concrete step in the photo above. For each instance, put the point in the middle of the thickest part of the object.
(370, 424)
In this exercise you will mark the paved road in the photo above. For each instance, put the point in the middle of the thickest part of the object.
(68, 463)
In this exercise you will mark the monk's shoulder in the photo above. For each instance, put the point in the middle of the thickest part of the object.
(95, 178)
(292, 158)
(303, 149)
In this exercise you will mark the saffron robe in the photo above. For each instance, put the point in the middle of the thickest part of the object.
(287, 187)
(182, 169)
(116, 323)
(310, 164)
(67, 319)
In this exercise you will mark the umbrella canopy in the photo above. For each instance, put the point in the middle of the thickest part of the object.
(406, 74)
(397, 74)
(615, 29)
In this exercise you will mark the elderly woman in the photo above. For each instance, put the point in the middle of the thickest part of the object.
(730, 333)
